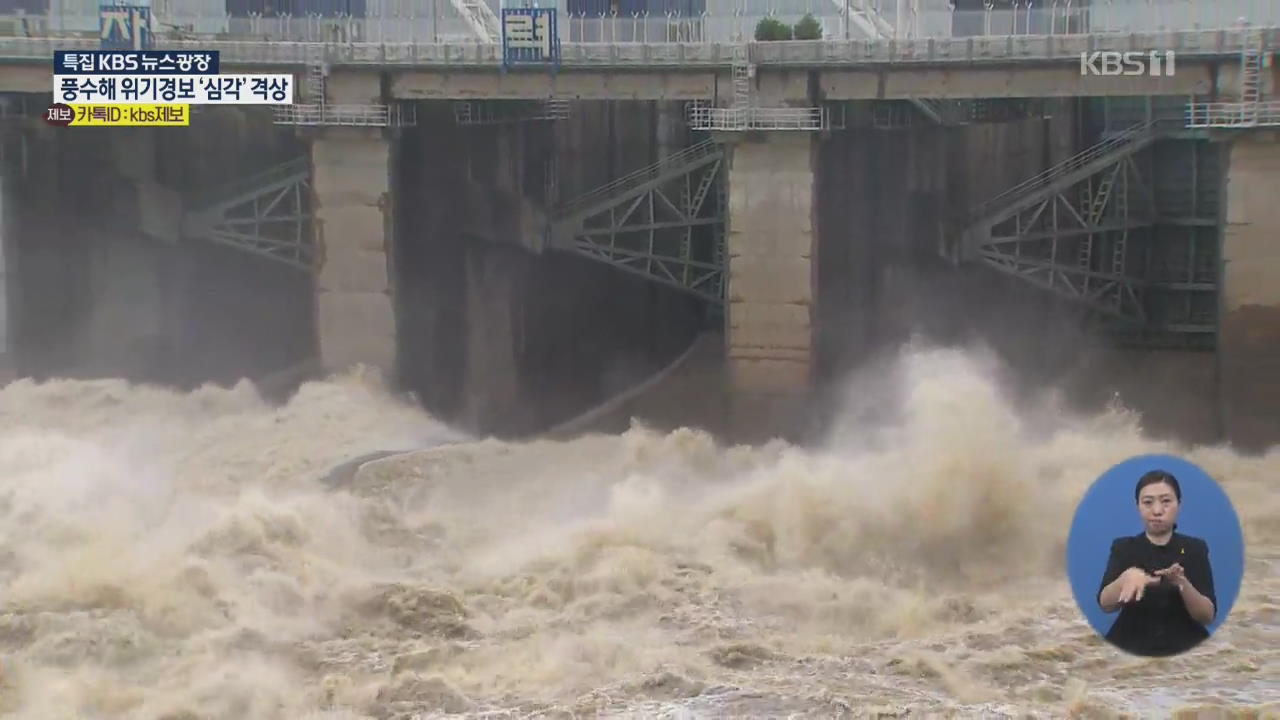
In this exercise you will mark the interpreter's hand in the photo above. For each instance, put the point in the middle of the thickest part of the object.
(1133, 584)
(1174, 574)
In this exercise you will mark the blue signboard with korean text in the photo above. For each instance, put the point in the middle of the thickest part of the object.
(124, 27)
(529, 36)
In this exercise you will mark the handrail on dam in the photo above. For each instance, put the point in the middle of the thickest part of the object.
(1233, 114)
(347, 115)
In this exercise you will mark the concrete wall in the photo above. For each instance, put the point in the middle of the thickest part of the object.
(351, 187)
(1249, 334)
(771, 248)
(495, 337)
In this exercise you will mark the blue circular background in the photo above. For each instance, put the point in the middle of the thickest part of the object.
(1108, 511)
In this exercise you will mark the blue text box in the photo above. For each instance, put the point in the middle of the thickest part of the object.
(136, 62)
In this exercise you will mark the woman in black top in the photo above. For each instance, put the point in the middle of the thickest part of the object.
(1159, 579)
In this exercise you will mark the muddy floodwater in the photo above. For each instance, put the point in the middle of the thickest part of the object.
(171, 556)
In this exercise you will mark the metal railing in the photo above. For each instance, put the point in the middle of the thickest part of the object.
(481, 112)
(756, 118)
(638, 177)
(1071, 164)
(344, 115)
(1233, 114)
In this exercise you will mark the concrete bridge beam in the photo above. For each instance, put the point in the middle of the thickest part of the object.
(1249, 333)
(770, 293)
(351, 183)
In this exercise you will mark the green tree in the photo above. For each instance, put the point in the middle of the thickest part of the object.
(772, 29)
(808, 28)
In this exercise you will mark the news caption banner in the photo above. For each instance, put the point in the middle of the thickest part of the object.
(119, 115)
(110, 77)
(152, 87)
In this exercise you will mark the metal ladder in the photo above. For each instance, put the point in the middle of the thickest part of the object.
(1120, 248)
(1098, 203)
(311, 106)
(1085, 261)
(1177, 186)
(1084, 257)
(691, 200)
(1251, 78)
(741, 77)
(551, 182)
(704, 185)
(721, 238)
(315, 79)
(556, 109)
(686, 240)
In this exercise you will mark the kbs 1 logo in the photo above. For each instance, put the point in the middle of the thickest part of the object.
(1155, 63)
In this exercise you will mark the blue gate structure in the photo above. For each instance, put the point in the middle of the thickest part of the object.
(529, 37)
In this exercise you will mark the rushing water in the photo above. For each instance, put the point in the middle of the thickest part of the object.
(176, 556)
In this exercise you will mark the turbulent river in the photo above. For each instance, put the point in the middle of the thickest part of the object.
(170, 556)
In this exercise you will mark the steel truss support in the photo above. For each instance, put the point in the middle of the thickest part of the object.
(664, 222)
(266, 215)
(1078, 241)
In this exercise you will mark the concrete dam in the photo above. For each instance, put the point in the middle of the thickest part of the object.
(441, 260)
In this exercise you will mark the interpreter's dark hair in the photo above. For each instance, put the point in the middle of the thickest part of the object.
(1159, 476)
